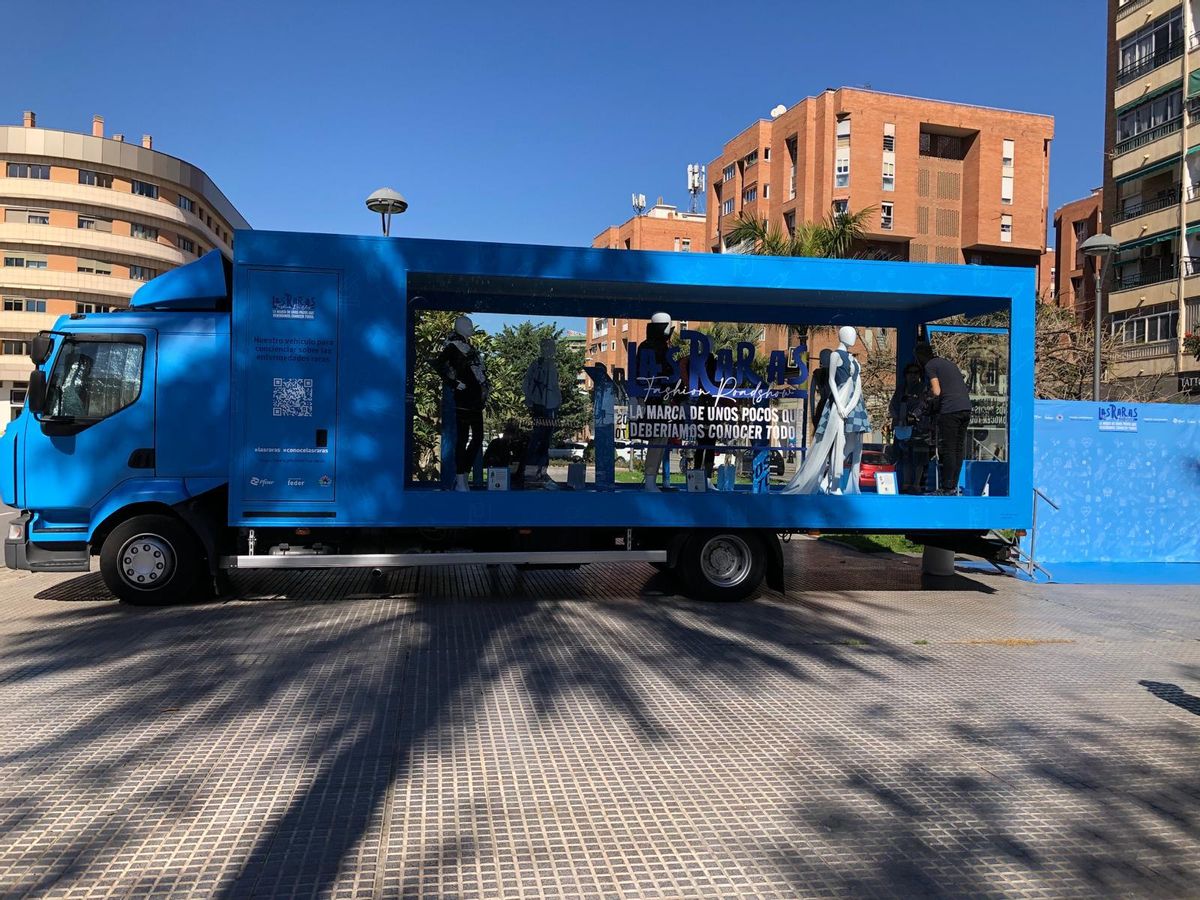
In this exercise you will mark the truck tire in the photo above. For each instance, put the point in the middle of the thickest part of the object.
(151, 560)
(723, 566)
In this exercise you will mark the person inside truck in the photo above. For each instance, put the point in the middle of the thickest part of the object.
(654, 369)
(461, 368)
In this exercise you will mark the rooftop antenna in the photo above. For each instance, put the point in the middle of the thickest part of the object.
(696, 174)
(639, 202)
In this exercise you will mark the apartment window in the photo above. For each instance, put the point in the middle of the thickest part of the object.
(187, 204)
(1152, 45)
(1007, 158)
(1006, 229)
(19, 216)
(766, 192)
(612, 346)
(1145, 326)
(144, 189)
(841, 171)
(28, 170)
(145, 232)
(1082, 231)
(889, 176)
(727, 174)
(14, 348)
(600, 326)
(885, 216)
(1077, 286)
(943, 146)
(685, 245)
(142, 273)
(750, 159)
(750, 194)
(841, 207)
(96, 179)
(95, 223)
(789, 222)
(91, 308)
(766, 153)
(18, 304)
(889, 141)
(14, 260)
(1006, 189)
(185, 245)
(727, 207)
(92, 267)
(1150, 115)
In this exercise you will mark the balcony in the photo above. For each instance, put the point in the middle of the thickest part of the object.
(1129, 7)
(1156, 273)
(1152, 204)
(1149, 137)
(1160, 57)
(1155, 350)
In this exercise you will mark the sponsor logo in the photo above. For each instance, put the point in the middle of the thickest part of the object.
(255, 481)
(324, 481)
(1117, 417)
(295, 482)
(292, 306)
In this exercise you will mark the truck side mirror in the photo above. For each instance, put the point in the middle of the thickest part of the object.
(35, 396)
(40, 347)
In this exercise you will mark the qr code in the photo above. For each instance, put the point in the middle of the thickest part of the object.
(292, 397)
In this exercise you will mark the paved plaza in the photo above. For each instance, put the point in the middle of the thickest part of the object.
(492, 733)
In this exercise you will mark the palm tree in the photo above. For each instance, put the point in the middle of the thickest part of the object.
(834, 238)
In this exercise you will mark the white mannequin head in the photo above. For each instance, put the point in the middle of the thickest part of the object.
(464, 327)
(848, 336)
(548, 348)
(663, 320)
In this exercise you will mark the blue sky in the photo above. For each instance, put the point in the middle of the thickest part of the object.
(524, 121)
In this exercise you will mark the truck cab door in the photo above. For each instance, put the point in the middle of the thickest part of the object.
(95, 431)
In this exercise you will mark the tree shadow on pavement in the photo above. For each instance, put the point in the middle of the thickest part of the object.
(161, 715)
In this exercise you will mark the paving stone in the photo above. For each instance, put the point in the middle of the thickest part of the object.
(485, 732)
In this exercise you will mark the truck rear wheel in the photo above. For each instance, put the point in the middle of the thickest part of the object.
(152, 559)
(723, 565)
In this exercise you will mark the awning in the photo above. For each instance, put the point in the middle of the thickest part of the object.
(1165, 89)
(1160, 166)
(1192, 229)
(1193, 86)
(1151, 239)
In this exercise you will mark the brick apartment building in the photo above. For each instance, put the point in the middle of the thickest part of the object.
(1152, 187)
(663, 227)
(1075, 275)
(949, 182)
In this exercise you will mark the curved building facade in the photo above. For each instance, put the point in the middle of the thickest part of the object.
(85, 220)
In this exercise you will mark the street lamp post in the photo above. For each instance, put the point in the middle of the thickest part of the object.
(387, 203)
(1100, 247)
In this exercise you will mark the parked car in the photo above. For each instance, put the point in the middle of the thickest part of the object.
(627, 452)
(572, 451)
(874, 459)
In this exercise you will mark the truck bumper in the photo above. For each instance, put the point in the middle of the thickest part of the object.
(22, 553)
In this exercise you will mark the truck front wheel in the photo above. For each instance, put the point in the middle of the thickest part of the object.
(723, 565)
(151, 560)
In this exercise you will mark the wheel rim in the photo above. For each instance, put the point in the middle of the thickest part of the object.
(147, 561)
(726, 560)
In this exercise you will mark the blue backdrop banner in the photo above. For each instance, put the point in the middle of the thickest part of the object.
(1126, 478)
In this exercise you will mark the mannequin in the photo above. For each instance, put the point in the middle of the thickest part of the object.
(654, 363)
(543, 397)
(461, 367)
(839, 433)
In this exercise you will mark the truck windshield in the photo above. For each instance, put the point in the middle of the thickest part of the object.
(93, 379)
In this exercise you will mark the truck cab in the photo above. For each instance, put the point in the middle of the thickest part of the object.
(101, 442)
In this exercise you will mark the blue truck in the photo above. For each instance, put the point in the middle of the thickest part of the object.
(258, 413)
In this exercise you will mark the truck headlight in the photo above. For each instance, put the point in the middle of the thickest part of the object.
(16, 531)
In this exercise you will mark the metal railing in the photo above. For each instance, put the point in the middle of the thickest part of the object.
(1149, 205)
(1149, 137)
(1157, 273)
(1028, 561)
(1160, 57)
(1133, 352)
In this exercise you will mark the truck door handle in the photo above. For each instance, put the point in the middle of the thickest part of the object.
(142, 458)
